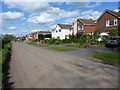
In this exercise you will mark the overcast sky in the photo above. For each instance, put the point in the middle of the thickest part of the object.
(21, 18)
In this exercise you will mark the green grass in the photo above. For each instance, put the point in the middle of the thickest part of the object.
(61, 48)
(40, 45)
(112, 58)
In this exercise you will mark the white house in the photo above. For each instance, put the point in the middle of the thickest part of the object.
(62, 31)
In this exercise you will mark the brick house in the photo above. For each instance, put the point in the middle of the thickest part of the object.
(84, 26)
(107, 20)
(31, 37)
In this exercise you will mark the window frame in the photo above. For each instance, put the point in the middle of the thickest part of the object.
(79, 27)
(114, 22)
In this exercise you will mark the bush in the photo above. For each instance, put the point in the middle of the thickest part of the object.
(57, 42)
(105, 38)
(46, 41)
(84, 40)
(53, 41)
(72, 40)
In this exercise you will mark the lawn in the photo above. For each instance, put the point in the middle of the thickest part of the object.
(61, 48)
(40, 45)
(112, 58)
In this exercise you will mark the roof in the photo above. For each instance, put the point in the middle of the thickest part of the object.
(111, 12)
(65, 26)
(87, 21)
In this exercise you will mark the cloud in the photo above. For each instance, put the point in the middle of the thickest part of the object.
(12, 28)
(35, 30)
(53, 26)
(83, 4)
(70, 20)
(90, 14)
(8, 33)
(51, 15)
(23, 31)
(11, 15)
(116, 10)
(32, 7)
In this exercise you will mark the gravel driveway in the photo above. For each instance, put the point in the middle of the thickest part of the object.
(34, 67)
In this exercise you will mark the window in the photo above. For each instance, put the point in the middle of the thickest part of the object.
(80, 27)
(59, 30)
(111, 22)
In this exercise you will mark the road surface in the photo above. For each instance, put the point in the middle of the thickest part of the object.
(35, 67)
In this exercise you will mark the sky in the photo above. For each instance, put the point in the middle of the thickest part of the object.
(22, 18)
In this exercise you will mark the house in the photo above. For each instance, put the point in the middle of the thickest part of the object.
(107, 20)
(84, 26)
(34, 36)
(44, 34)
(31, 37)
(62, 31)
(21, 38)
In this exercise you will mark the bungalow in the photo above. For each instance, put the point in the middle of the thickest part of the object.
(84, 26)
(107, 20)
(62, 31)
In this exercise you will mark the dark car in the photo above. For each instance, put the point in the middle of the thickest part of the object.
(113, 42)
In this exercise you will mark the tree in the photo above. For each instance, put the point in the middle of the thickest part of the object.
(95, 36)
(7, 38)
(114, 32)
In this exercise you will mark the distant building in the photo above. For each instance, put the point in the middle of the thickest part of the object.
(21, 38)
(34, 36)
(62, 31)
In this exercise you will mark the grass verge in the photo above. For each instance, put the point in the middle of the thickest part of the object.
(61, 48)
(40, 45)
(111, 58)
(4, 61)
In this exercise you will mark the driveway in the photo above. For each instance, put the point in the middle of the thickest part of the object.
(35, 67)
(86, 52)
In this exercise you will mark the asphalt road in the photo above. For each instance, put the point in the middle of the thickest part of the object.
(34, 67)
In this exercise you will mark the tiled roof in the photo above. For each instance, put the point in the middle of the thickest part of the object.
(87, 21)
(112, 12)
(65, 26)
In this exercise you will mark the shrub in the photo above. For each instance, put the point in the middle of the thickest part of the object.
(46, 41)
(72, 40)
(51, 41)
(57, 42)
(105, 38)
(84, 40)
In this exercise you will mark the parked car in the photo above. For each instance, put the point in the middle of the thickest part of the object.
(113, 42)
